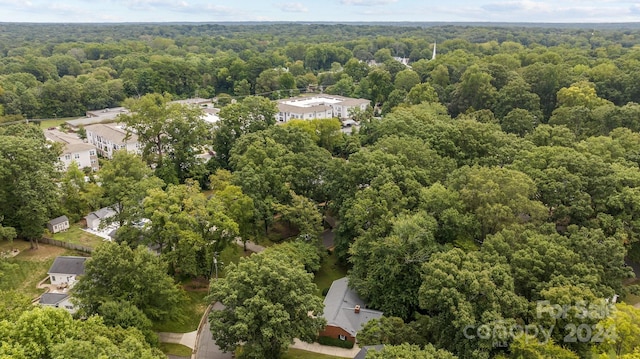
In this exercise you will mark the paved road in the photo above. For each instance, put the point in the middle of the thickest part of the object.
(328, 238)
(255, 248)
(207, 348)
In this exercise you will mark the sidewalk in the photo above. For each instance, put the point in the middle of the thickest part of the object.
(186, 339)
(255, 248)
(325, 349)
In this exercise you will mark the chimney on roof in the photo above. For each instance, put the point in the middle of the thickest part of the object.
(356, 309)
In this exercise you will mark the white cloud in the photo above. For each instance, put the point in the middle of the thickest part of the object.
(367, 2)
(292, 7)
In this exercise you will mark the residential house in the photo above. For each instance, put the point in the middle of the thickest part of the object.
(65, 270)
(346, 313)
(318, 107)
(74, 150)
(362, 354)
(58, 224)
(58, 300)
(111, 137)
(94, 219)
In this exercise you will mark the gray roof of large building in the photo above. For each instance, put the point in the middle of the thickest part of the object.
(52, 298)
(58, 220)
(362, 354)
(339, 308)
(102, 213)
(77, 147)
(68, 265)
(114, 132)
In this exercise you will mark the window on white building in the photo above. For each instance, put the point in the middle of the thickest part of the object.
(92, 153)
(67, 157)
(76, 155)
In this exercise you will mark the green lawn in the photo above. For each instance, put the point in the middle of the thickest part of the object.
(631, 299)
(29, 267)
(301, 354)
(193, 308)
(197, 292)
(329, 271)
(175, 349)
(76, 235)
(54, 122)
(231, 254)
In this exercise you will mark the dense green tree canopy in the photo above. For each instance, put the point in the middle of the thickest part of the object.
(115, 272)
(171, 135)
(268, 300)
(28, 191)
(52, 333)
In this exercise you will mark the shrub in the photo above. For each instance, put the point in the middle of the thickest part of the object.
(335, 342)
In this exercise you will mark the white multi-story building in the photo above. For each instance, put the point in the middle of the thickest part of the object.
(318, 106)
(74, 150)
(111, 137)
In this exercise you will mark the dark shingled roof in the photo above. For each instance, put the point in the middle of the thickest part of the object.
(339, 308)
(362, 354)
(52, 298)
(59, 220)
(68, 265)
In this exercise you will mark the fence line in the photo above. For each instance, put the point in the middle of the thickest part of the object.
(73, 246)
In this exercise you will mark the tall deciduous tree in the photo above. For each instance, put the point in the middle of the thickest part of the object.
(498, 197)
(390, 331)
(125, 181)
(115, 272)
(72, 187)
(387, 271)
(51, 333)
(28, 193)
(171, 134)
(268, 301)
(187, 227)
(302, 213)
(462, 290)
(624, 326)
(250, 115)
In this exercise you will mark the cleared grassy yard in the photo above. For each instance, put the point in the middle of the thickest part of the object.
(29, 267)
(631, 299)
(330, 270)
(197, 291)
(76, 235)
(54, 122)
(175, 349)
(193, 308)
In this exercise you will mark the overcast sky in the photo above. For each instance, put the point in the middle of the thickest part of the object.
(319, 10)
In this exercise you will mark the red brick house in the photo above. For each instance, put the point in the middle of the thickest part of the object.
(346, 313)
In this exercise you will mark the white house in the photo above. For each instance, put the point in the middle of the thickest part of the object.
(317, 107)
(110, 137)
(58, 300)
(94, 219)
(58, 224)
(74, 150)
(83, 154)
(65, 270)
